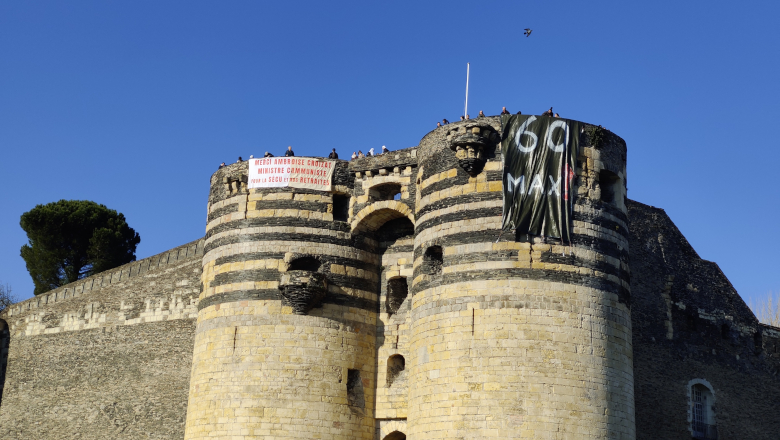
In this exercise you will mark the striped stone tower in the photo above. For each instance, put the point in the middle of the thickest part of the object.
(284, 346)
(515, 337)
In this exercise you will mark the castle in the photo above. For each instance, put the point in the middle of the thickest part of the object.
(393, 306)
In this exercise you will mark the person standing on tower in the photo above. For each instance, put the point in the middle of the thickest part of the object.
(333, 154)
(289, 152)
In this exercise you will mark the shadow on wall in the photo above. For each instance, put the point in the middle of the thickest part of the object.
(396, 365)
(355, 395)
(5, 341)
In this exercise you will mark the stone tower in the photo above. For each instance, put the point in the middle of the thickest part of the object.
(516, 336)
(282, 332)
(395, 306)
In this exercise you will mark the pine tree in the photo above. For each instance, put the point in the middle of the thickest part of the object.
(73, 239)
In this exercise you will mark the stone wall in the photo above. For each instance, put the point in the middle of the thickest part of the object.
(690, 324)
(106, 357)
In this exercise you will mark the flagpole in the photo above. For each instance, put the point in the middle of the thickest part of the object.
(466, 109)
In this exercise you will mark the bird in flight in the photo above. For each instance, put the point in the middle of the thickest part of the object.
(527, 32)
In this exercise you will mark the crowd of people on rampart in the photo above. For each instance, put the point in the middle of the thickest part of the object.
(504, 111)
(333, 154)
(359, 153)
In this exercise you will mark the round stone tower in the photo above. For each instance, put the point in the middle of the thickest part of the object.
(284, 345)
(518, 336)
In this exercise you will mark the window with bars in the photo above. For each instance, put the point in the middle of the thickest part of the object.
(702, 413)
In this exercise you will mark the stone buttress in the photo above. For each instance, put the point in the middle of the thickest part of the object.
(515, 337)
(284, 346)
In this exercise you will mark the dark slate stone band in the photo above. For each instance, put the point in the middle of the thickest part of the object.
(327, 260)
(460, 179)
(600, 245)
(550, 276)
(249, 256)
(604, 223)
(459, 200)
(547, 257)
(338, 299)
(457, 216)
(492, 176)
(223, 211)
(239, 295)
(292, 204)
(279, 221)
(393, 249)
(502, 301)
(602, 206)
(274, 275)
(240, 276)
(281, 236)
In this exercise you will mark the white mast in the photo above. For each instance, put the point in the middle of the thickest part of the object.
(466, 109)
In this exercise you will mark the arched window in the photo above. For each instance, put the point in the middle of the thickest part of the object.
(609, 184)
(305, 263)
(395, 435)
(5, 340)
(396, 364)
(340, 207)
(397, 291)
(385, 191)
(725, 331)
(702, 410)
(355, 396)
(433, 260)
(758, 342)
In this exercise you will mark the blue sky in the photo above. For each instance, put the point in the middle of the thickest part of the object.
(135, 104)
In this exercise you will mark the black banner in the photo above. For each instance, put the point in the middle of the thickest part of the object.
(539, 162)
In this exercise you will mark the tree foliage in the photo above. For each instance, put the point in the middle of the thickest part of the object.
(767, 309)
(6, 296)
(73, 239)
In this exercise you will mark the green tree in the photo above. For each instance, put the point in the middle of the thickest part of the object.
(73, 239)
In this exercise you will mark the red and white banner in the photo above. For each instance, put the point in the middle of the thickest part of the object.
(297, 172)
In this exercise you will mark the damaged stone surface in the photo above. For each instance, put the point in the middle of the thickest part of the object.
(472, 142)
(303, 290)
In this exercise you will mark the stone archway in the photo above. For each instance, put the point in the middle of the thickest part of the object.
(5, 340)
(372, 217)
(392, 430)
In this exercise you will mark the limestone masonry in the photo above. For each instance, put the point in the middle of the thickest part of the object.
(394, 307)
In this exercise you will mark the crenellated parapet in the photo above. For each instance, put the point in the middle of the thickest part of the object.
(121, 296)
(102, 351)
